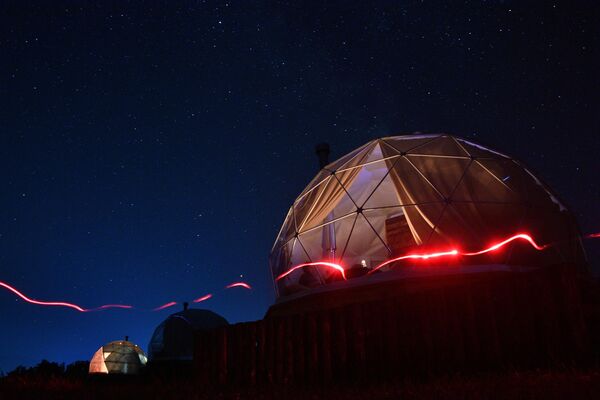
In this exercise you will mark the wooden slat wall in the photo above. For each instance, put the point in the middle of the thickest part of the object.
(506, 320)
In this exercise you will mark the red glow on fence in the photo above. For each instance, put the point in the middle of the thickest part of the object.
(203, 298)
(337, 267)
(170, 304)
(238, 284)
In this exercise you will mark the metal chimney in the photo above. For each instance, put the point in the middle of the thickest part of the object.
(322, 150)
(185, 306)
(127, 338)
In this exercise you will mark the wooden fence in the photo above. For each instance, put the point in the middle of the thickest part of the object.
(481, 321)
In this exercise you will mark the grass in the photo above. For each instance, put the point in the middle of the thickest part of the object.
(576, 384)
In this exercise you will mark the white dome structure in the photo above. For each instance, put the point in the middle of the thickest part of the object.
(118, 357)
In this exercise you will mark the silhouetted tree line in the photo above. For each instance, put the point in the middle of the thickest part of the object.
(46, 369)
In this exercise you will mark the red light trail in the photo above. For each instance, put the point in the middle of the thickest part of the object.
(170, 304)
(496, 246)
(335, 266)
(416, 257)
(238, 284)
(41, 303)
(107, 306)
(59, 303)
(203, 298)
(449, 253)
(454, 252)
(426, 256)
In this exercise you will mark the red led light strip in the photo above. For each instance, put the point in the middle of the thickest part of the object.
(448, 253)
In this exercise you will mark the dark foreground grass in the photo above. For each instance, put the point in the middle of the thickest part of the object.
(524, 385)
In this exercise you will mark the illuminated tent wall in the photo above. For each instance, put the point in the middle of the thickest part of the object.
(173, 338)
(118, 357)
(416, 194)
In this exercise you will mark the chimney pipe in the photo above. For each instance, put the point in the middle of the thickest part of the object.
(185, 305)
(322, 150)
(127, 338)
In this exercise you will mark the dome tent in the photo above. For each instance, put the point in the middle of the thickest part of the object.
(172, 339)
(416, 194)
(118, 357)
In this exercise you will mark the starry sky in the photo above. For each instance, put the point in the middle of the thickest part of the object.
(150, 150)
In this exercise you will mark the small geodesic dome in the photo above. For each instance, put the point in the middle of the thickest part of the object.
(417, 194)
(173, 339)
(118, 357)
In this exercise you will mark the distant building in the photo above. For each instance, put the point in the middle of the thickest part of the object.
(118, 357)
(173, 339)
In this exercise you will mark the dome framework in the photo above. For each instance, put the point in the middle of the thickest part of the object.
(405, 194)
(118, 357)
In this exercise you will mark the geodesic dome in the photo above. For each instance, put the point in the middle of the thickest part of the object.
(118, 357)
(173, 339)
(417, 194)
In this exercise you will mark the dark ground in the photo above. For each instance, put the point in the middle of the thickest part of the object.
(574, 384)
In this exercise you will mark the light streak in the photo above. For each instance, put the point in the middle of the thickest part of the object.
(42, 303)
(453, 252)
(426, 256)
(59, 303)
(169, 304)
(238, 284)
(203, 298)
(496, 246)
(593, 235)
(335, 266)
(107, 306)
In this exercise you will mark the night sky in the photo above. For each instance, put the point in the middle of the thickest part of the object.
(149, 152)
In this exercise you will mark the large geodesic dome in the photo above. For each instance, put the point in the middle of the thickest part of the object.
(418, 194)
(118, 357)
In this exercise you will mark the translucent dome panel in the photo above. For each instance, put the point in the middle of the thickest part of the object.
(120, 357)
